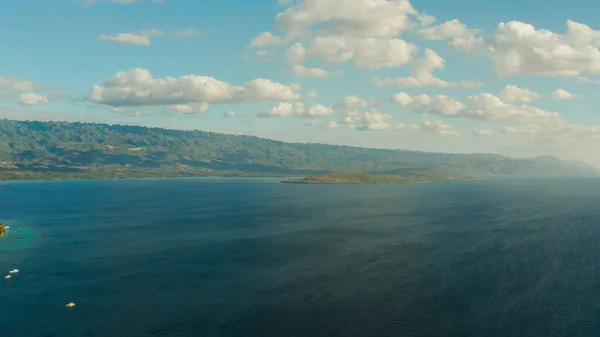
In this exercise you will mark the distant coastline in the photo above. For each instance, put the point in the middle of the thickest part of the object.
(356, 178)
(65, 151)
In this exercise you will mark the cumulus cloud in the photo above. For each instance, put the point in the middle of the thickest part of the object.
(562, 94)
(368, 18)
(139, 87)
(512, 93)
(439, 128)
(266, 39)
(448, 30)
(303, 71)
(484, 106)
(482, 133)
(229, 114)
(298, 109)
(331, 125)
(181, 108)
(189, 109)
(460, 36)
(312, 94)
(296, 53)
(143, 37)
(422, 71)
(355, 112)
(365, 32)
(32, 98)
(519, 48)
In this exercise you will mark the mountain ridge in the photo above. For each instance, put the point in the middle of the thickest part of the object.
(63, 149)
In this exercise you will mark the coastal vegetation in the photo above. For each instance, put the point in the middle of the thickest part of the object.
(359, 178)
(63, 150)
(2, 230)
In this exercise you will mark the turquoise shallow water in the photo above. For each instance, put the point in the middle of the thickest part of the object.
(253, 257)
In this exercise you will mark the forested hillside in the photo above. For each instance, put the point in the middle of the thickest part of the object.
(62, 149)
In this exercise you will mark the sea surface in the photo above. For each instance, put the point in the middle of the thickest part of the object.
(254, 257)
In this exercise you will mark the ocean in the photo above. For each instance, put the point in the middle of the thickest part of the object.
(254, 257)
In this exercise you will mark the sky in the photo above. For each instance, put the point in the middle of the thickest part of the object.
(519, 78)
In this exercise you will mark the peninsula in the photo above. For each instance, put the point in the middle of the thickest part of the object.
(356, 178)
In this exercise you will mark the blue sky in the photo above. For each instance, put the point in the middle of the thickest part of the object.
(186, 64)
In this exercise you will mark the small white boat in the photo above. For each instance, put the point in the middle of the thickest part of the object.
(6, 227)
(14, 271)
(70, 305)
(7, 276)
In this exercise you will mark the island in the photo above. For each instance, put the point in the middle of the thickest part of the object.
(354, 178)
(2, 230)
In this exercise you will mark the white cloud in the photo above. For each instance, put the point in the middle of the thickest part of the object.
(422, 71)
(189, 109)
(296, 53)
(266, 39)
(367, 18)
(181, 108)
(286, 109)
(367, 53)
(355, 112)
(482, 133)
(312, 94)
(11, 88)
(143, 37)
(452, 29)
(320, 110)
(518, 48)
(303, 71)
(311, 122)
(338, 31)
(138, 87)
(32, 98)
(484, 106)
(130, 38)
(461, 37)
(331, 125)
(587, 80)
(512, 93)
(15, 85)
(439, 128)
(562, 94)
(229, 114)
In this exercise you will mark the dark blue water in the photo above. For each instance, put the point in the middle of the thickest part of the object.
(253, 257)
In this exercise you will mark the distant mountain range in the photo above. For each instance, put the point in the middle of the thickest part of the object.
(55, 150)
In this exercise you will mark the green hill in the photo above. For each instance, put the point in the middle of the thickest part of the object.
(57, 150)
